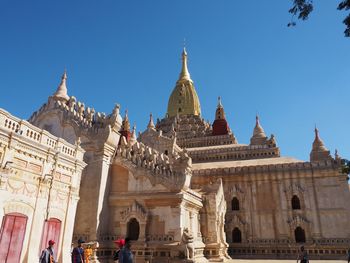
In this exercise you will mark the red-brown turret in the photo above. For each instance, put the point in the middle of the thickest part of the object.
(220, 125)
(125, 129)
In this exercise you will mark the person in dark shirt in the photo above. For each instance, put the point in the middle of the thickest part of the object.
(78, 253)
(120, 243)
(125, 255)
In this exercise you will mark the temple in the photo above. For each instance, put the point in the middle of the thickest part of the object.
(184, 189)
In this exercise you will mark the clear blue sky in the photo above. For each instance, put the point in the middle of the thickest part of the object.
(128, 52)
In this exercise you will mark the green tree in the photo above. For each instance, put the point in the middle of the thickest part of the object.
(303, 8)
(345, 167)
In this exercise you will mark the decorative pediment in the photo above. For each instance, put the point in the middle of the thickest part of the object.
(235, 190)
(136, 210)
(298, 221)
(236, 220)
(294, 189)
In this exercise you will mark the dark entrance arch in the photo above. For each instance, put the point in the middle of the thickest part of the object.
(299, 234)
(236, 235)
(133, 231)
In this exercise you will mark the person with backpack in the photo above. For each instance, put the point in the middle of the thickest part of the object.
(120, 243)
(47, 255)
(303, 256)
(125, 255)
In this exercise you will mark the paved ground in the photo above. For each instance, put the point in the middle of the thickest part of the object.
(282, 261)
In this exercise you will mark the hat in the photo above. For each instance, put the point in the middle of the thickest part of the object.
(51, 242)
(120, 242)
(80, 241)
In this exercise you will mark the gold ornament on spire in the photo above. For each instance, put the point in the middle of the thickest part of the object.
(184, 74)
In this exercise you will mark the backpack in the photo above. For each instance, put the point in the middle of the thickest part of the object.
(43, 254)
(116, 255)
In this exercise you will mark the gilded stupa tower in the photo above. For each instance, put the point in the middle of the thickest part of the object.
(184, 99)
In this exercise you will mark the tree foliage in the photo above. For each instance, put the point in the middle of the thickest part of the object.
(345, 167)
(303, 8)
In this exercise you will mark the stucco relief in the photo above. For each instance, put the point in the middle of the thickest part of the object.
(295, 189)
(18, 206)
(299, 221)
(20, 187)
(236, 221)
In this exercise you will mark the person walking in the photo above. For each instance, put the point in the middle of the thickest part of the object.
(349, 255)
(47, 255)
(125, 255)
(303, 256)
(87, 253)
(78, 252)
(120, 243)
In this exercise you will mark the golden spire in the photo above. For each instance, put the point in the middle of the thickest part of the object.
(184, 99)
(184, 75)
(61, 92)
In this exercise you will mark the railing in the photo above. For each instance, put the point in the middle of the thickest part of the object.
(26, 130)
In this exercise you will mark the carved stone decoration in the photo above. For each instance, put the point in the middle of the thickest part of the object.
(187, 240)
(297, 190)
(175, 173)
(138, 212)
(237, 221)
(299, 221)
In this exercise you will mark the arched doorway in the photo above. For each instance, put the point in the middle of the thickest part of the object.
(133, 229)
(296, 203)
(235, 204)
(236, 235)
(12, 234)
(299, 234)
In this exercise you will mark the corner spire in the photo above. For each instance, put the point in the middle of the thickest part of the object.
(220, 125)
(259, 137)
(126, 123)
(150, 123)
(125, 128)
(220, 113)
(219, 102)
(319, 151)
(61, 92)
(258, 130)
(184, 75)
(133, 134)
(318, 144)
